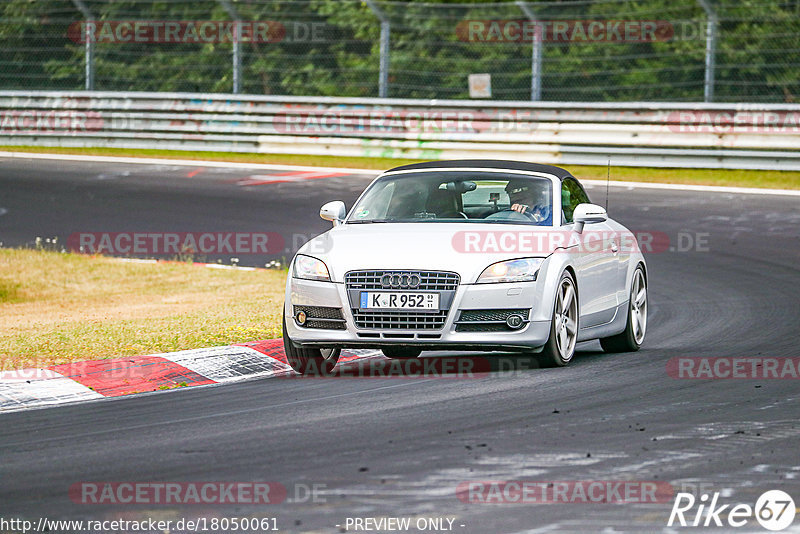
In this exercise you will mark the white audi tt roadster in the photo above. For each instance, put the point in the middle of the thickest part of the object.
(466, 255)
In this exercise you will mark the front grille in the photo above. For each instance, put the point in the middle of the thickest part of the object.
(322, 317)
(488, 320)
(444, 282)
(400, 320)
(429, 280)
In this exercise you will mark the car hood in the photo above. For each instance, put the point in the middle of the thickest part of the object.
(463, 248)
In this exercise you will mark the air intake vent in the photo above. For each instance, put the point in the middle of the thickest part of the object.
(321, 317)
(489, 320)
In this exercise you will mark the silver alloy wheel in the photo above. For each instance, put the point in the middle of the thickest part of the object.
(638, 307)
(566, 318)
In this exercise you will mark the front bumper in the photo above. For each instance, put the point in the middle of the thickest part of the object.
(504, 296)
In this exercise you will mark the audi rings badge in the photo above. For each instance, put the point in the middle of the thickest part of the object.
(401, 281)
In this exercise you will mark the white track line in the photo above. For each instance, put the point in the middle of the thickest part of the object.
(183, 162)
(209, 265)
(703, 188)
(371, 172)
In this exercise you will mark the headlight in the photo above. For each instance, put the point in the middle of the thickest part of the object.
(310, 268)
(522, 270)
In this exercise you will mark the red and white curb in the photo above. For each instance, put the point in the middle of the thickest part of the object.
(288, 176)
(90, 380)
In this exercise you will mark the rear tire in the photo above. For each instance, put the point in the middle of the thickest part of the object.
(401, 353)
(560, 346)
(632, 337)
(319, 362)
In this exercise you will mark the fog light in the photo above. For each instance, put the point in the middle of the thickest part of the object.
(301, 318)
(514, 321)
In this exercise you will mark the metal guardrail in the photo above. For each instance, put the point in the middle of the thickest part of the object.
(732, 136)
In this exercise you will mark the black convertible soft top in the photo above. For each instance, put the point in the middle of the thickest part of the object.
(488, 163)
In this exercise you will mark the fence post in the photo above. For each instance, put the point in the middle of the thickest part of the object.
(383, 80)
(536, 52)
(711, 49)
(237, 43)
(89, 36)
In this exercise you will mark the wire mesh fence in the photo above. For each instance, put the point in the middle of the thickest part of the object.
(602, 50)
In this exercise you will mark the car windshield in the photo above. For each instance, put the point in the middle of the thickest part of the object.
(456, 196)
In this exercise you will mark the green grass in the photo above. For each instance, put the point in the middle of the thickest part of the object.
(722, 177)
(8, 291)
(735, 178)
(68, 307)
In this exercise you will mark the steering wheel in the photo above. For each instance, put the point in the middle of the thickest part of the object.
(509, 214)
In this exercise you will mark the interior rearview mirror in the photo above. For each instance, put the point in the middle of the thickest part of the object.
(461, 187)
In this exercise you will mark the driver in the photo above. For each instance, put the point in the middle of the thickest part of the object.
(527, 198)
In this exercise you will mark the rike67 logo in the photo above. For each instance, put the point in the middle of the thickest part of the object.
(774, 510)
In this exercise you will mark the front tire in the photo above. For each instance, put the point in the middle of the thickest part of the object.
(401, 353)
(632, 337)
(560, 346)
(318, 362)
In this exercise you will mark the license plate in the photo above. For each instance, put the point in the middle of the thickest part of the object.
(399, 301)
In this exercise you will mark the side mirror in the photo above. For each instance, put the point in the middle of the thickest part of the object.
(334, 211)
(588, 214)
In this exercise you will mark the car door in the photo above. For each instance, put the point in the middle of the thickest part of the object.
(596, 260)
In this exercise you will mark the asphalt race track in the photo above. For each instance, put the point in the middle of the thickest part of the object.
(399, 447)
(60, 199)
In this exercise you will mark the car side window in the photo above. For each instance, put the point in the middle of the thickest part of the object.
(572, 194)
